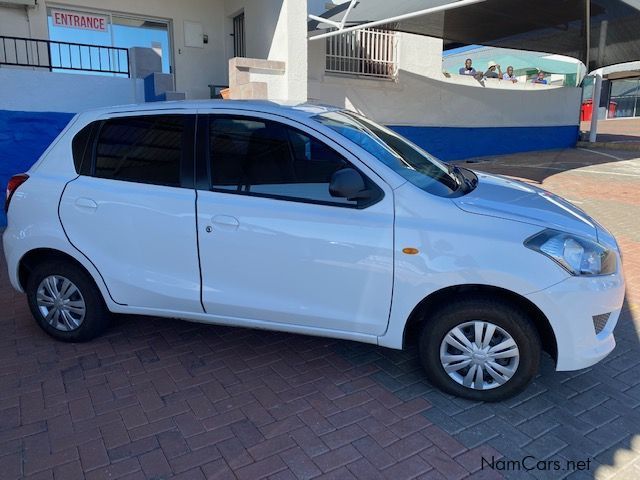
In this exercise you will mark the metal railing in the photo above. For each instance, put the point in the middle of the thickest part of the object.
(54, 55)
(239, 49)
(370, 52)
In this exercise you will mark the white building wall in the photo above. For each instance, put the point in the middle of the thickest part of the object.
(422, 95)
(275, 30)
(44, 91)
(420, 55)
(14, 21)
(416, 54)
(261, 21)
(194, 67)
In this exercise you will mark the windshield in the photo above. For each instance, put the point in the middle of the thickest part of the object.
(403, 157)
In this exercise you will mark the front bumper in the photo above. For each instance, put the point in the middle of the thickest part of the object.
(570, 307)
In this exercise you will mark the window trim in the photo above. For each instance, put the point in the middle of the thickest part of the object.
(203, 161)
(186, 167)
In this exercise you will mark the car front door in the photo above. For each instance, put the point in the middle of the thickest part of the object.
(131, 211)
(275, 246)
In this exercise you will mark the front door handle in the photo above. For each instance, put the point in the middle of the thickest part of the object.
(86, 203)
(225, 222)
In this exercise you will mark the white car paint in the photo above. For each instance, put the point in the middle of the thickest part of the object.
(338, 261)
(307, 268)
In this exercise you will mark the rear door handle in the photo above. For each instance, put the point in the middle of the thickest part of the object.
(86, 203)
(225, 222)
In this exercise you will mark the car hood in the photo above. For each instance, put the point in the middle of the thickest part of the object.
(514, 200)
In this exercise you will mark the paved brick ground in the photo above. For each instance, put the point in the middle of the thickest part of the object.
(620, 130)
(160, 398)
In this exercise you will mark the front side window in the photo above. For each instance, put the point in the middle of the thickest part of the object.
(404, 158)
(144, 149)
(265, 158)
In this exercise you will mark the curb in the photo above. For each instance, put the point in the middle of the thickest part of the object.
(630, 147)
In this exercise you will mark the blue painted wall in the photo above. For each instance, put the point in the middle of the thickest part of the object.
(458, 143)
(23, 138)
(25, 135)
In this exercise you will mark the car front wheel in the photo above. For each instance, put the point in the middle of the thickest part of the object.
(483, 350)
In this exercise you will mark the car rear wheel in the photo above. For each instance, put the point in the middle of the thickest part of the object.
(65, 302)
(480, 349)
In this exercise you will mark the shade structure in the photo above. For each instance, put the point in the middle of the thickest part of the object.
(597, 32)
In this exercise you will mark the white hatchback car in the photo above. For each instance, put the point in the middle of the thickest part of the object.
(310, 220)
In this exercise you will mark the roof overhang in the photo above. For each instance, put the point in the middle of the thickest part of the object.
(597, 32)
(624, 70)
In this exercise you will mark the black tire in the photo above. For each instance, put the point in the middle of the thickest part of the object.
(96, 316)
(504, 315)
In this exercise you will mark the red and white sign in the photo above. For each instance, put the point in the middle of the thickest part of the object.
(82, 20)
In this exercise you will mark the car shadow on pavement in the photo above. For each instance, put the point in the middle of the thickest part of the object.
(595, 412)
(161, 397)
(215, 398)
(537, 167)
(590, 416)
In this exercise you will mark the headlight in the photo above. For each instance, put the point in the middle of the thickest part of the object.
(577, 255)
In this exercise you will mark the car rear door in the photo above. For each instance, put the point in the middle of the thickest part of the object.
(131, 211)
(275, 247)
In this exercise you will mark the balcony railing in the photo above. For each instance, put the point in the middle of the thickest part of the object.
(371, 52)
(54, 56)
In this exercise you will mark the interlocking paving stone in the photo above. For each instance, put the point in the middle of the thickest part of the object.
(162, 398)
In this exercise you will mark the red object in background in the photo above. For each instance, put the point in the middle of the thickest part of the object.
(587, 110)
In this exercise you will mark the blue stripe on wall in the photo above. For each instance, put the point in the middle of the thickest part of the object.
(458, 143)
(24, 136)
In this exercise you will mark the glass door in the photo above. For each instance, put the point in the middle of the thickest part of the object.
(93, 29)
(137, 32)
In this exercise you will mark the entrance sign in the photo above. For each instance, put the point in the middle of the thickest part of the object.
(82, 20)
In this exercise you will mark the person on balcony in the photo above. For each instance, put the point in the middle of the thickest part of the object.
(468, 68)
(509, 75)
(540, 79)
(493, 71)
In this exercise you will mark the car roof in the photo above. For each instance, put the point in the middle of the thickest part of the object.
(264, 106)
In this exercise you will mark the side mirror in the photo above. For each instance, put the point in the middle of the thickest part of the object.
(348, 183)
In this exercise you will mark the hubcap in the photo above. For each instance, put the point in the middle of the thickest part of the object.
(61, 303)
(479, 355)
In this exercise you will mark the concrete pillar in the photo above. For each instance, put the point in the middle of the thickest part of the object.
(289, 45)
(595, 113)
(144, 61)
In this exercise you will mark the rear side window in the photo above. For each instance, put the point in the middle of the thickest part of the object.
(264, 158)
(81, 148)
(144, 149)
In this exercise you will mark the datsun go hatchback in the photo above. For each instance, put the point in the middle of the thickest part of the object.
(309, 220)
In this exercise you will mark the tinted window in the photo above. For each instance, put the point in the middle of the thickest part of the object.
(144, 149)
(259, 157)
(82, 149)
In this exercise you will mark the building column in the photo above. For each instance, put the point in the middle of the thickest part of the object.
(595, 111)
(290, 46)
